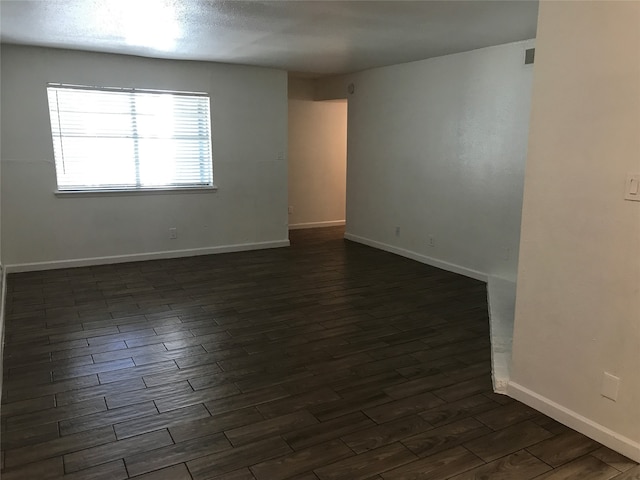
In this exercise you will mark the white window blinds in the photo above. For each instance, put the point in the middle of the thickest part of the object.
(115, 139)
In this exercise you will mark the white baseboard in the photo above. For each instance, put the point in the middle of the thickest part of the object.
(138, 257)
(450, 267)
(331, 223)
(591, 429)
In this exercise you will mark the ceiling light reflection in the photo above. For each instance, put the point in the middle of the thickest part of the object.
(150, 23)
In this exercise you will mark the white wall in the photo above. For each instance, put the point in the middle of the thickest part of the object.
(578, 297)
(317, 156)
(249, 122)
(437, 147)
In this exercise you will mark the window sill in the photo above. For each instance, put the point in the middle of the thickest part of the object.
(125, 192)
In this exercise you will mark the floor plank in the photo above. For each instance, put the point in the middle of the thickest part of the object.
(301, 461)
(614, 459)
(508, 440)
(329, 430)
(171, 454)
(84, 459)
(631, 474)
(563, 448)
(367, 464)
(175, 472)
(155, 421)
(107, 471)
(386, 433)
(237, 458)
(269, 428)
(445, 437)
(585, 468)
(436, 467)
(520, 465)
(59, 446)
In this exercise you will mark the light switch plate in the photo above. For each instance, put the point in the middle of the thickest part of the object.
(632, 187)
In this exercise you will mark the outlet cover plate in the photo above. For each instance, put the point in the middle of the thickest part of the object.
(610, 386)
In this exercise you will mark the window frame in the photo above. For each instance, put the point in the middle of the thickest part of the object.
(138, 188)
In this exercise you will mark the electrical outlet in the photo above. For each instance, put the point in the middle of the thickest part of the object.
(173, 233)
(290, 209)
(506, 253)
(610, 386)
(432, 241)
(397, 231)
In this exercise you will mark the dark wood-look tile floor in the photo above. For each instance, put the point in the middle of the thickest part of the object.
(324, 361)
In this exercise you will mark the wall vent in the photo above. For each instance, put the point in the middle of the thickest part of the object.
(529, 56)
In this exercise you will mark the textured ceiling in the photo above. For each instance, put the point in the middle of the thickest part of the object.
(317, 37)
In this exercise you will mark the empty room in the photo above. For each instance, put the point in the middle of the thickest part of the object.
(320, 240)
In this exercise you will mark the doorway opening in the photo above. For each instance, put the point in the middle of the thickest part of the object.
(317, 158)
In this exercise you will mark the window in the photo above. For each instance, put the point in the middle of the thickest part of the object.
(129, 139)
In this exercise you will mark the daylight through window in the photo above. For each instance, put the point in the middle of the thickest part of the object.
(129, 139)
